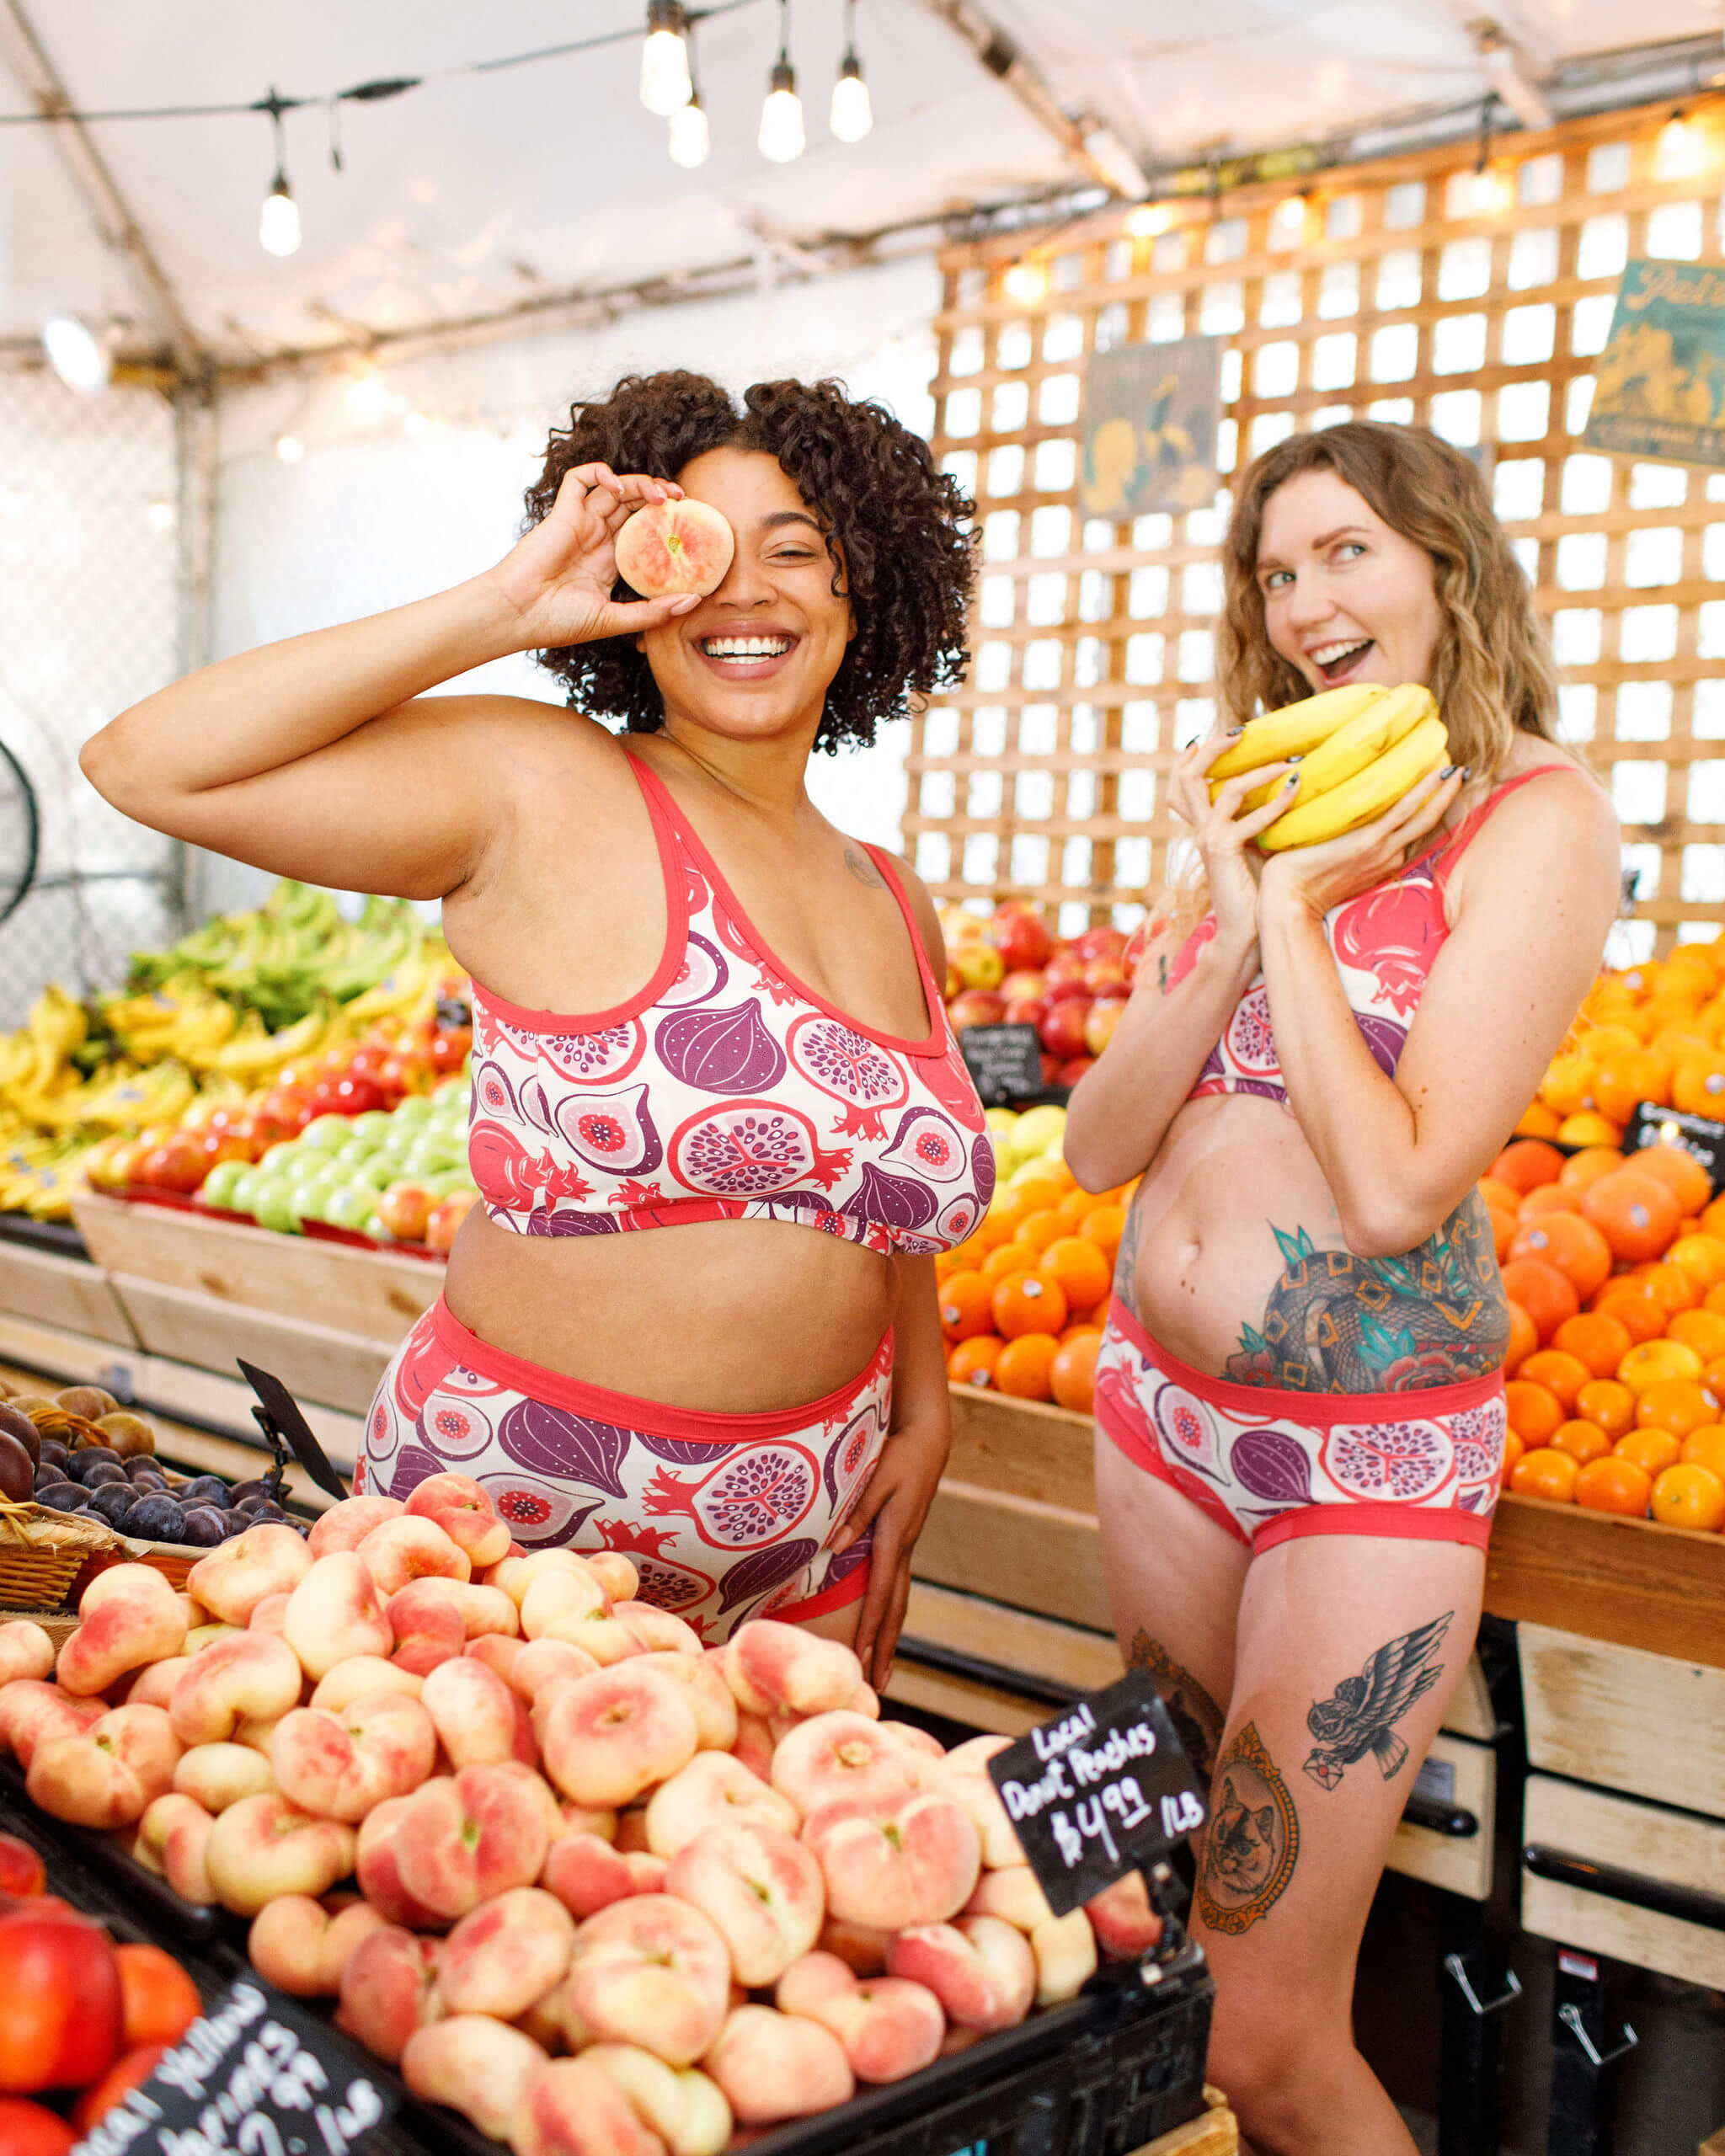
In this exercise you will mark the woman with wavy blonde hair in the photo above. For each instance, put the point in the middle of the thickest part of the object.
(1299, 1393)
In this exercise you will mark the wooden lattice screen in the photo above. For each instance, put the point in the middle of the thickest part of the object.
(1419, 288)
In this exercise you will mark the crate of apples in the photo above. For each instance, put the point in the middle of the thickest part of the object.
(82, 2020)
(584, 1878)
(1615, 1267)
(1012, 969)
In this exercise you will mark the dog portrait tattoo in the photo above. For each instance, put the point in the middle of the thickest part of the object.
(1253, 1839)
(1197, 1719)
(1359, 1715)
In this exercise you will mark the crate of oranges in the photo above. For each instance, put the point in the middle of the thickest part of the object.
(1614, 1268)
(1023, 1300)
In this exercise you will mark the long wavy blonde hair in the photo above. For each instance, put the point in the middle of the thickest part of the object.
(1493, 676)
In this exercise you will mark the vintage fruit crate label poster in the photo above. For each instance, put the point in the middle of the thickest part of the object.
(1660, 388)
(1151, 415)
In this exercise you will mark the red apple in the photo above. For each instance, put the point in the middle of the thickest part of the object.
(449, 1047)
(1070, 1073)
(406, 1071)
(177, 1164)
(1063, 1029)
(1100, 974)
(1099, 1025)
(1064, 966)
(977, 1007)
(344, 1093)
(404, 1209)
(1021, 936)
(1050, 1067)
(220, 1145)
(1026, 1011)
(283, 1112)
(1100, 942)
(1024, 980)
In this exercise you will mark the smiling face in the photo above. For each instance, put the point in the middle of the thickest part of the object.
(1345, 597)
(753, 661)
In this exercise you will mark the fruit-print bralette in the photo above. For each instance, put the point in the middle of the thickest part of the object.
(725, 1090)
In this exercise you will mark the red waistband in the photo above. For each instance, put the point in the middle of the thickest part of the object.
(623, 1410)
(1317, 1408)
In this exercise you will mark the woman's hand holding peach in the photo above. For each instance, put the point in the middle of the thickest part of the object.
(558, 579)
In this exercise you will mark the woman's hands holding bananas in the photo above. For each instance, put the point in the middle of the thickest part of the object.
(1224, 836)
(557, 580)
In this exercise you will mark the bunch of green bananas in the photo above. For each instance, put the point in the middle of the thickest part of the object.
(1362, 747)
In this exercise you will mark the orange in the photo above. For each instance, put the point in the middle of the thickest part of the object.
(1072, 1373)
(1587, 1166)
(1535, 1414)
(1713, 1218)
(1103, 1225)
(1072, 1208)
(1652, 1451)
(1614, 1485)
(1589, 1130)
(1538, 1121)
(1714, 1300)
(1544, 1472)
(1523, 1338)
(1023, 1370)
(1705, 1447)
(1001, 1221)
(1596, 1338)
(1628, 1077)
(1698, 1082)
(1027, 1302)
(1650, 1361)
(1546, 1294)
(1629, 1302)
(1582, 1441)
(1007, 1259)
(1512, 1451)
(1042, 1190)
(1568, 1083)
(1041, 1228)
(1672, 1290)
(1550, 1198)
(1636, 1213)
(1702, 1330)
(1559, 1373)
(966, 1307)
(1575, 1245)
(1677, 1168)
(1701, 1258)
(972, 1361)
(1609, 1405)
(1678, 1405)
(1526, 1163)
(1683, 1041)
(1504, 1196)
(1505, 1227)
(1079, 1268)
(1078, 1326)
(1689, 1495)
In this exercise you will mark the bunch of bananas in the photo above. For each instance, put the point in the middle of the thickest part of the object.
(1363, 747)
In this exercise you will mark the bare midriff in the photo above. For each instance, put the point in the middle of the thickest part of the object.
(739, 1317)
(1237, 1262)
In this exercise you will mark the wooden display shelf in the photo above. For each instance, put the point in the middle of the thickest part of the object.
(1015, 1520)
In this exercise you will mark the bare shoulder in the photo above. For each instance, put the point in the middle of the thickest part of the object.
(1557, 837)
(524, 745)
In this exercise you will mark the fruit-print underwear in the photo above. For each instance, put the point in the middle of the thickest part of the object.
(1268, 1465)
(726, 1517)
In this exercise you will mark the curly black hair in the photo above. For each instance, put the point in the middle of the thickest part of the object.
(905, 529)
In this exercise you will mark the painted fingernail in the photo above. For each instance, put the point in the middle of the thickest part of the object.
(1296, 760)
(1467, 770)
(1448, 771)
(1291, 781)
(1234, 732)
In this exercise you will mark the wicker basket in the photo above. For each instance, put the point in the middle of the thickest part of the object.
(44, 1556)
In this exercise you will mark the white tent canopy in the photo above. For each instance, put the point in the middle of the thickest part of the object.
(486, 188)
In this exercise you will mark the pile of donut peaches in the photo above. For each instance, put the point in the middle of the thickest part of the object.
(618, 1894)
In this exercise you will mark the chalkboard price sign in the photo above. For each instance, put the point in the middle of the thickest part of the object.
(1005, 1062)
(1652, 1125)
(1100, 1791)
(256, 2077)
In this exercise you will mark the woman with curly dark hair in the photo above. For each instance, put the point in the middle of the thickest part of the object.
(696, 1004)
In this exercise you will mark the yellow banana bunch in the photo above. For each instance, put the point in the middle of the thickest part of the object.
(1295, 730)
(1362, 748)
(252, 1058)
(1354, 744)
(396, 993)
(1372, 788)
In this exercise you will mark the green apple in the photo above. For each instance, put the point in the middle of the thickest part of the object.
(244, 1188)
(376, 1173)
(274, 1206)
(413, 1110)
(219, 1183)
(356, 1153)
(374, 1123)
(441, 1181)
(350, 1207)
(327, 1132)
(282, 1158)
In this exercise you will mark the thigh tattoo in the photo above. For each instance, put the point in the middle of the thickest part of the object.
(1253, 1841)
(1357, 1715)
(1197, 1719)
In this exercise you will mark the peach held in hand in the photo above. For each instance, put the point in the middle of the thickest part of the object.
(896, 1861)
(890, 2027)
(129, 1616)
(778, 2066)
(651, 1971)
(298, 1946)
(502, 1957)
(761, 1888)
(477, 2066)
(674, 545)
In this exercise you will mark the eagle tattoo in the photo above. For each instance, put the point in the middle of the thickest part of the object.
(1357, 1716)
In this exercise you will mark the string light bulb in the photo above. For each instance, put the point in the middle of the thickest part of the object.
(290, 448)
(664, 59)
(781, 136)
(77, 355)
(1290, 214)
(1151, 220)
(1678, 154)
(279, 219)
(1027, 282)
(851, 115)
(689, 141)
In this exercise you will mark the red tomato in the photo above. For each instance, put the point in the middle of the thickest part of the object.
(345, 1094)
(406, 1072)
(220, 1145)
(161, 2001)
(178, 1165)
(127, 2072)
(284, 1112)
(33, 2130)
(63, 2014)
(449, 1049)
(21, 1871)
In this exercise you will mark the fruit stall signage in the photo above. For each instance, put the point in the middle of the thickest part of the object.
(255, 2077)
(1652, 1125)
(1004, 1061)
(1100, 1791)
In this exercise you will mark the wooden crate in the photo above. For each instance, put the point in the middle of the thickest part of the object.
(1651, 1725)
(63, 1291)
(366, 1293)
(1409, 289)
(315, 1362)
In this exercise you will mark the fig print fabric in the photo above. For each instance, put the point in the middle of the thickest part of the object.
(725, 1517)
(725, 1091)
(1267, 1464)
